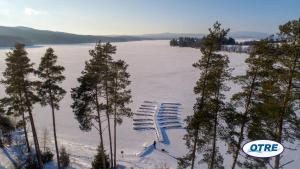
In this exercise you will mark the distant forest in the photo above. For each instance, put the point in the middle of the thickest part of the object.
(196, 42)
(226, 44)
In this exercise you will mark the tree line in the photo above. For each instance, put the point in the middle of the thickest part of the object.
(102, 95)
(265, 108)
(197, 42)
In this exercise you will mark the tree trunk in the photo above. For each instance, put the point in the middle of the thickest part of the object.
(1, 143)
(35, 137)
(115, 140)
(26, 134)
(194, 148)
(245, 114)
(115, 121)
(107, 112)
(100, 131)
(24, 124)
(110, 140)
(200, 105)
(212, 162)
(54, 130)
(108, 121)
(214, 151)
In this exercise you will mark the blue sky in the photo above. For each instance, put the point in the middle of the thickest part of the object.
(104, 17)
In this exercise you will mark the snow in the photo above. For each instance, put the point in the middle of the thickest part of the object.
(158, 72)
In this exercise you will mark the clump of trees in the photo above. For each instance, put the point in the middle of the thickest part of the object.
(23, 92)
(102, 95)
(265, 108)
(204, 126)
(186, 42)
(197, 42)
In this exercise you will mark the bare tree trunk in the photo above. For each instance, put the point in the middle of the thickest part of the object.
(194, 148)
(115, 141)
(212, 162)
(108, 121)
(35, 138)
(24, 124)
(110, 140)
(25, 132)
(1, 143)
(100, 131)
(54, 130)
(214, 151)
(107, 113)
(115, 122)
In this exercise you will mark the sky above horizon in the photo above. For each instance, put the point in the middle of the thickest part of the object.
(132, 17)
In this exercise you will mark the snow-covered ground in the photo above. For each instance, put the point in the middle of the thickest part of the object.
(159, 73)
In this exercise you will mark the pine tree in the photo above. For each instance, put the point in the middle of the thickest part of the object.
(121, 97)
(203, 126)
(64, 160)
(49, 90)
(108, 50)
(91, 97)
(18, 84)
(241, 113)
(99, 158)
(13, 107)
(280, 89)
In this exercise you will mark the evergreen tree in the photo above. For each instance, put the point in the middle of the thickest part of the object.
(91, 97)
(121, 97)
(280, 95)
(99, 158)
(14, 106)
(288, 123)
(20, 88)
(49, 91)
(241, 114)
(108, 50)
(203, 126)
(64, 160)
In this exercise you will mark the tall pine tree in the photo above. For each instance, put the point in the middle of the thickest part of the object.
(91, 97)
(17, 84)
(120, 97)
(49, 90)
(108, 51)
(240, 116)
(203, 126)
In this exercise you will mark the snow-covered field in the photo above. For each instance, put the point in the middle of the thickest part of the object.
(159, 73)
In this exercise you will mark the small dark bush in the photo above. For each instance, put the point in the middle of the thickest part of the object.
(47, 156)
(64, 158)
(31, 164)
(98, 159)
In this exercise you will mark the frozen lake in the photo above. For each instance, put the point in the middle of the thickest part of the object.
(158, 72)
